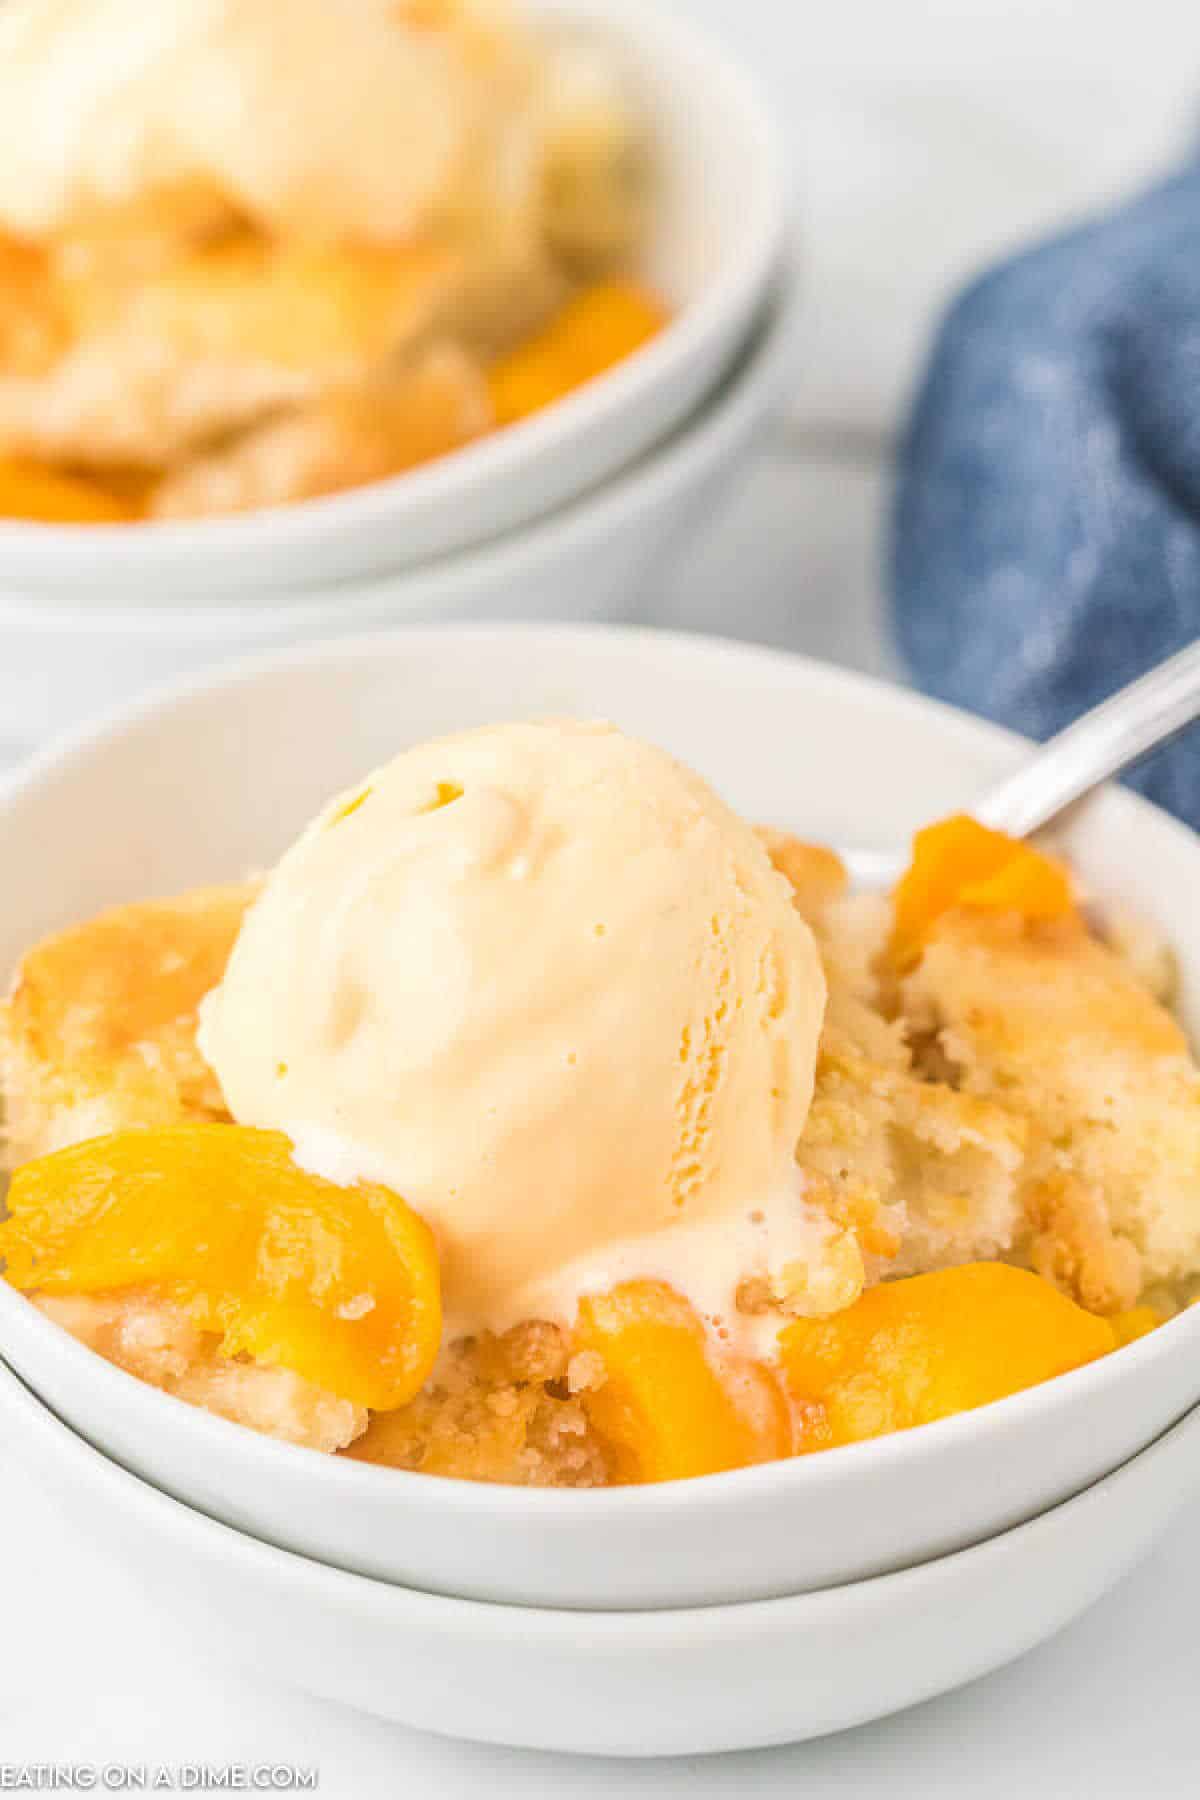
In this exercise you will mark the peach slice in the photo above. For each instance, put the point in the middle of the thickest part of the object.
(338, 1284)
(958, 862)
(1137, 1322)
(920, 1349)
(597, 329)
(666, 1407)
(48, 497)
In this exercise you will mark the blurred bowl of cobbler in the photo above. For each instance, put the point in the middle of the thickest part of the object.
(272, 317)
(65, 654)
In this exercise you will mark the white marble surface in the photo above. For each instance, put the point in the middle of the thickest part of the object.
(791, 556)
(930, 135)
(926, 136)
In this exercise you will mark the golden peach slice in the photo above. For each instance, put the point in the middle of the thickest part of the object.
(338, 1284)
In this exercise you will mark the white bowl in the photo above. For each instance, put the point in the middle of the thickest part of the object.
(714, 249)
(613, 1683)
(62, 660)
(205, 784)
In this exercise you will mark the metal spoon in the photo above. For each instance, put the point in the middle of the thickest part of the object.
(1106, 740)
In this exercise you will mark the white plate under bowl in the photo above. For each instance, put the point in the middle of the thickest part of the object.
(714, 248)
(623, 1684)
(61, 662)
(213, 781)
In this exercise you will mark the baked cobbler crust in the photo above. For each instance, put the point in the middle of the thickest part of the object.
(1056, 1026)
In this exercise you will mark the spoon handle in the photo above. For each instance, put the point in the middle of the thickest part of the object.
(1134, 720)
(1104, 741)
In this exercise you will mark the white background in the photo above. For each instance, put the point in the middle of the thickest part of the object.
(928, 134)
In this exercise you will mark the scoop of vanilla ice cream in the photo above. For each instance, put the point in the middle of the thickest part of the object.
(361, 118)
(539, 979)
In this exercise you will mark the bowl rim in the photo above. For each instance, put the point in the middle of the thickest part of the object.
(138, 550)
(663, 1628)
(745, 388)
(343, 1476)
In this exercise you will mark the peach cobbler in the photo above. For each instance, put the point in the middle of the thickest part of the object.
(538, 1120)
(243, 264)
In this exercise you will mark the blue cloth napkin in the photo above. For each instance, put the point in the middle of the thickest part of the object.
(1045, 543)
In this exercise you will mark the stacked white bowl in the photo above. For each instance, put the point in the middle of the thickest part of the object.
(564, 515)
(747, 1608)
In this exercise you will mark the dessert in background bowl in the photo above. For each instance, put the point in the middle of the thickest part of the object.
(235, 277)
(239, 274)
(530, 1029)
